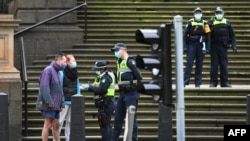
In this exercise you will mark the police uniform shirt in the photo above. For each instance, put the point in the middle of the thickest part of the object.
(105, 82)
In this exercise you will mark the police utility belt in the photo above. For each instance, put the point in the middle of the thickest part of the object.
(196, 38)
(127, 86)
(103, 101)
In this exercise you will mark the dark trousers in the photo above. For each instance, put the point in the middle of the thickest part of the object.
(194, 53)
(125, 100)
(219, 57)
(107, 131)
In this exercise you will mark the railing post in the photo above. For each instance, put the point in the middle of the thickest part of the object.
(248, 109)
(77, 126)
(86, 23)
(4, 117)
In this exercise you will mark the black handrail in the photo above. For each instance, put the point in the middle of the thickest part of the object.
(85, 22)
(24, 78)
(53, 18)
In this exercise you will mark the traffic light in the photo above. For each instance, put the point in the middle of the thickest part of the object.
(159, 63)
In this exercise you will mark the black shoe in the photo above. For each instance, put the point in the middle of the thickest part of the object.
(227, 85)
(197, 86)
(212, 85)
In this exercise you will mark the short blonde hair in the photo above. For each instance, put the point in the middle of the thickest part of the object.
(69, 56)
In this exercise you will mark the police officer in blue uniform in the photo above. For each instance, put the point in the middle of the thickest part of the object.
(196, 44)
(127, 76)
(104, 90)
(222, 35)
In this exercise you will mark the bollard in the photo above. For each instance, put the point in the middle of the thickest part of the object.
(129, 123)
(248, 109)
(4, 117)
(77, 127)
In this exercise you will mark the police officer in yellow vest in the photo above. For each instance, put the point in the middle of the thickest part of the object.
(222, 35)
(127, 76)
(104, 90)
(196, 44)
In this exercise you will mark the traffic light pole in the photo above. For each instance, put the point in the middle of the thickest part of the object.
(180, 105)
(165, 132)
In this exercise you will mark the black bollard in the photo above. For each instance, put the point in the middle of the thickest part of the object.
(4, 117)
(77, 127)
(248, 109)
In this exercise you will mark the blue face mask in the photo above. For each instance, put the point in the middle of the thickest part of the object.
(197, 16)
(73, 65)
(117, 54)
(63, 65)
(219, 16)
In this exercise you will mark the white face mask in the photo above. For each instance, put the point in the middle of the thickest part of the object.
(73, 65)
(198, 16)
(219, 16)
(97, 72)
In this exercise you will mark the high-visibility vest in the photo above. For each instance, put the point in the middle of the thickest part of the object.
(111, 89)
(220, 28)
(199, 28)
(123, 68)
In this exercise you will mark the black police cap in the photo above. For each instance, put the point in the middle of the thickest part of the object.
(119, 46)
(100, 64)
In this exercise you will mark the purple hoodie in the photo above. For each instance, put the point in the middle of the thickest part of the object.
(50, 89)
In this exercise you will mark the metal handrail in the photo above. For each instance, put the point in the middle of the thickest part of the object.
(24, 78)
(52, 18)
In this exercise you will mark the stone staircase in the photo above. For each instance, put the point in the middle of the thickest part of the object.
(206, 109)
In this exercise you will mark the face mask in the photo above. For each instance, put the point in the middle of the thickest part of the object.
(117, 54)
(63, 65)
(73, 65)
(219, 16)
(97, 72)
(197, 16)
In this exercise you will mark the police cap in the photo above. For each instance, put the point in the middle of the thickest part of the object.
(197, 9)
(219, 9)
(100, 64)
(118, 46)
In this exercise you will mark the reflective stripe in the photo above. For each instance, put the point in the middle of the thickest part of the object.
(127, 82)
(123, 70)
(197, 24)
(223, 21)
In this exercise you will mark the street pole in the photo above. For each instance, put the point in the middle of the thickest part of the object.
(180, 115)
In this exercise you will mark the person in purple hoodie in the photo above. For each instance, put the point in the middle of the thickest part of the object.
(50, 99)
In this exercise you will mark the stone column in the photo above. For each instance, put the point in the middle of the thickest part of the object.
(10, 81)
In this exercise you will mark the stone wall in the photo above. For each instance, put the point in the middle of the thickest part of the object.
(50, 38)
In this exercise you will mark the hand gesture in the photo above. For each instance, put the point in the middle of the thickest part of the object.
(85, 86)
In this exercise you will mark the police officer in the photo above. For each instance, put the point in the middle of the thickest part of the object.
(222, 35)
(196, 44)
(104, 89)
(127, 77)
